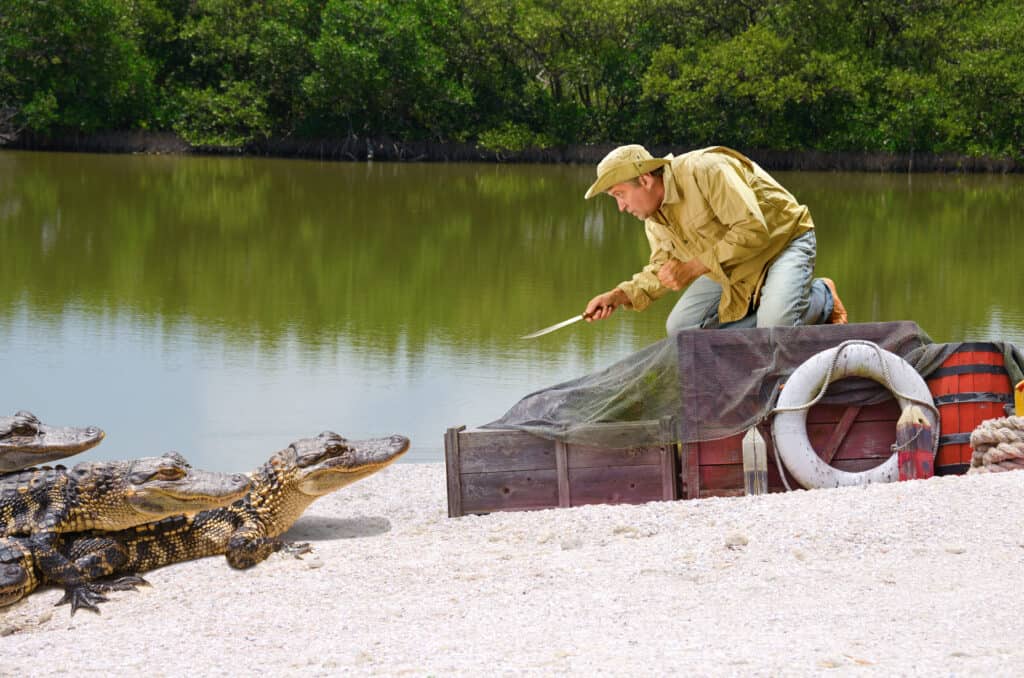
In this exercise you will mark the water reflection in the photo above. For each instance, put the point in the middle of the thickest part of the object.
(225, 306)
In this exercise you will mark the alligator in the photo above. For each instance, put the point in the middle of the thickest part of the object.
(42, 503)
(18, 575)
(246, 532)
(25, 441)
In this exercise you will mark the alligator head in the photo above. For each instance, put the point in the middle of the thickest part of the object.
(25, 441)
(310, 468)
(17, 570)
(329, 462)
(118, 495)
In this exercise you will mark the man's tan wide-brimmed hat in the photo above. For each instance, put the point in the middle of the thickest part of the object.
(623, 164)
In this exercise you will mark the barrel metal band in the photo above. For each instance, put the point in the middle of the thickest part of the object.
(977, 346)
(951, 469)
(974, 397)
(967, 369)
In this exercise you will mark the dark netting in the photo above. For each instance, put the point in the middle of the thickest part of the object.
(634, 394)
(708, 384)
(731, 381)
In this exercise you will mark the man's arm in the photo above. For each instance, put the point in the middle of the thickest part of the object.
(644, 287)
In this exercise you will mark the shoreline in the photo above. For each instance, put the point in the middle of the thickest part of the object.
(910, 578)
(362, 149)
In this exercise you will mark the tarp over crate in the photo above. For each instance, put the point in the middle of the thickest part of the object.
(714, 383)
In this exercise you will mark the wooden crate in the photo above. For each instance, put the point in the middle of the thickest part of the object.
(849, 438)
(509, 470)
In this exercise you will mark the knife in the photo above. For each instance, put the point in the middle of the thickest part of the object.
(556, 326)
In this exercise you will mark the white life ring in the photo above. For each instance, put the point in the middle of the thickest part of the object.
(849, 359)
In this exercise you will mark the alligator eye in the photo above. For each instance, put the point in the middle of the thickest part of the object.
(334, 444)
(170, 473)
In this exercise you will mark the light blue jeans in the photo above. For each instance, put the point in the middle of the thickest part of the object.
(790, 296)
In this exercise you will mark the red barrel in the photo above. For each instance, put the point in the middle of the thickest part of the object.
(972, 385)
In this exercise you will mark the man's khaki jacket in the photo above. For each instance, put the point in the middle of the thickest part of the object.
(719, 207)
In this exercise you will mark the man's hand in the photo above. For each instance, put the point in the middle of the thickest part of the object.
(603, 305)
(676, 275)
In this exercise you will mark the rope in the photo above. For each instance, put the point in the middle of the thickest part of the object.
(998, 445)
(887, 383)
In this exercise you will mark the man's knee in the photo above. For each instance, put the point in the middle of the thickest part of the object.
(696, 308)
(674, 323)
(782, 315)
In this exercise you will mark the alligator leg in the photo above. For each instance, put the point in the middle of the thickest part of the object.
(79, 566)
(98, 558)
(250, 545)
(56, 568)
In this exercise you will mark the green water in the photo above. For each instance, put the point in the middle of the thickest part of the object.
(224, 307)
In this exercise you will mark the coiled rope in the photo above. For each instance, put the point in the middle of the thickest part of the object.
(998, 445)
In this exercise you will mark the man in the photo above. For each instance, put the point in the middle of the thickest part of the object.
(724, 229)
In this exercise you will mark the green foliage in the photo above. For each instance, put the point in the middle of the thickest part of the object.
(240, 49)
(892, 75)
(41, 111)
(74, 64)
(228, 119)
(381, 68)
(984, 79)
(511, 137)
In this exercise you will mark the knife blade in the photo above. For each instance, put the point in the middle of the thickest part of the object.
(556, 326)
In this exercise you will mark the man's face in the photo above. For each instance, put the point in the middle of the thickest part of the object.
(642, 198)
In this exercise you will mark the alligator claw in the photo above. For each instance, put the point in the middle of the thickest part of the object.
(126, 583)
(297, 549)
(82, 595)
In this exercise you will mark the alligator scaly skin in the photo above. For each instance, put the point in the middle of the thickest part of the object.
(25, 441)
(40, 504)
(246, 531)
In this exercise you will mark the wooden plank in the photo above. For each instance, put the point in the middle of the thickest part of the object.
(669, 459)
(616, 485)
(669, 472)
(884, 411)
(858, 465)
(864, 440)
(718, 481)
(721, 451)
(705, 494)
(730, 450)
(562, 468)
(727, 480)
(452, 469)
(509, 490)
(690, 462)
(775, 480)
(585, 456)
(484, 451)
(835, 439)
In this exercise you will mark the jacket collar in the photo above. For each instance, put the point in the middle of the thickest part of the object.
(672, 192)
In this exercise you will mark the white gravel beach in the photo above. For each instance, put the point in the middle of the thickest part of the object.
(914, 578)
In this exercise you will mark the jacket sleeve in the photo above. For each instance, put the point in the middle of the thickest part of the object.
(735, 205)
(644, 287)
